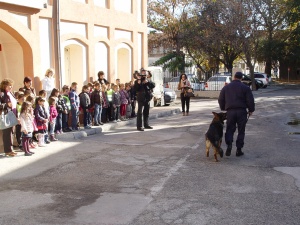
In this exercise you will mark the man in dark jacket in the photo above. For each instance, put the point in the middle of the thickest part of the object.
(236, 98)
(143, 89)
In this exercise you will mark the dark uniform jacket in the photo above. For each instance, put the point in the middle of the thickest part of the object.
(236, 95)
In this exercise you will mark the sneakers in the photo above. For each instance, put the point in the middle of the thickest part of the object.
(228, 150)
(114, 121)
(118, 120)
(87, 127)
(239, 152)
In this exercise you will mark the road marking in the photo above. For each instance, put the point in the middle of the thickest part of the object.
(159, 186)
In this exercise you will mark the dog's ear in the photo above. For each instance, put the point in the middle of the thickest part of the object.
(214, 113)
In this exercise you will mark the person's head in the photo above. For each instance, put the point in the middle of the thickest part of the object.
(122, 86)
(49, 72)
(149, 74)
(27, 82)
(85, 88)
(97, 86)
(238, 75)
(20, 97)
(183, 77)
(74, 86)
(138, 76)
(118, 81)
(39, 101)
(116, 88)
(43, 93)
(66, 89)
(100, 74)
(90, 85)
(127, 86)
(26, 107)
(108, 86)
(143, 72)
(6, 84)
(54, 92)
(30, 99)
(52, 101)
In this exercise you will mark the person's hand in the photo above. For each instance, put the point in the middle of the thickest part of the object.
(9, 104)
(45, 121)
(139, 81)
(25, 132)
(87, 110)
(250, 113)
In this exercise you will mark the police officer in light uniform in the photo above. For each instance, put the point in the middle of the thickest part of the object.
(143, 89)
(236, 98)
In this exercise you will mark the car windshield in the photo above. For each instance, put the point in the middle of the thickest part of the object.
(259, 76)
(216, 78)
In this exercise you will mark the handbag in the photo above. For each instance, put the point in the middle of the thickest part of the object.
(189, 92)
(7, 120)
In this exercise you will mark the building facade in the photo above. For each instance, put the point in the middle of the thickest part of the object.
(77, 38)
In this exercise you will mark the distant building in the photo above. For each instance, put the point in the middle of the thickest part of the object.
(77, 38)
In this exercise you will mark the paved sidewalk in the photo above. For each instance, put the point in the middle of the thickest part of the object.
(155, 112)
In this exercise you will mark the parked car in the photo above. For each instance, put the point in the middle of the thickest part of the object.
(263, 77)
(195, 83)
(216, 83)
(169, 96)
(247, 80)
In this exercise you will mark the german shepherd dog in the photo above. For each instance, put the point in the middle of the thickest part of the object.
(214, 135)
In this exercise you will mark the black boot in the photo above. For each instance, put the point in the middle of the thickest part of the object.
(239, 152)
(228, 150)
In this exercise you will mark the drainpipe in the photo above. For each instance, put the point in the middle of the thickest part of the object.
(57, 40)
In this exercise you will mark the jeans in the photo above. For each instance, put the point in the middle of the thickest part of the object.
(185, 101)
(86, 117)
(58, 125)
(97, 113)
(75, 114)
(65, 119)
(116, 113)
(52, 126)
(104, 115)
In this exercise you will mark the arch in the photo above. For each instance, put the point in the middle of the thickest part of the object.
(21, 50)
(123, 62)
(101, 58)
(74, 62)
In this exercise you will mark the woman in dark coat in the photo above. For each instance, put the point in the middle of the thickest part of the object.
(9, 102)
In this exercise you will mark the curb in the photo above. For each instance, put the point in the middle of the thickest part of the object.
(83, 133)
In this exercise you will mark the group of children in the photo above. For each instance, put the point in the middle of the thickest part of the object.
(42, 117)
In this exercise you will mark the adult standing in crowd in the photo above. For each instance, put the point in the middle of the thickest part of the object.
(9, 102)
(28, 86)
(143, 89)
(183, 85)
(101, 78)
(48, 83)
(236, 98)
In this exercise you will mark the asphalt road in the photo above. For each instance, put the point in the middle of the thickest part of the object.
(162, 176)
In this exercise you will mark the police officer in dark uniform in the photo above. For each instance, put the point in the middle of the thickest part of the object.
(143, 89)
(236, 98)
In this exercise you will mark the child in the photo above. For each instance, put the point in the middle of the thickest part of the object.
(109, 94)
(61, 107)
(41, 118)
(65, 114)
(105, 104)
(43, 94)
(91, 110)
(26, 121)
(85, 103)
(52, 117)
(97, 102)
(133, 99)
(32, 101)
(74, 100)
(18, 126)
(129, 107)
(116, 104)
(124, 101)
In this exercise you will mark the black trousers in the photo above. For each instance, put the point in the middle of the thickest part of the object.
(143, 113)
(7, 135)
(236, 119)
(185, 101)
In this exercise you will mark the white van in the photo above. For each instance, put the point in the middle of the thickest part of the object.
(158, 79)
